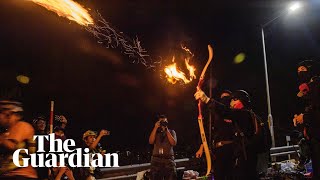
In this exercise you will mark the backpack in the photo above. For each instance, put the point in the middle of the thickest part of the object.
(262, 138)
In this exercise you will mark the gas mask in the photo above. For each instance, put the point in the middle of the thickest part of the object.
(304, 76)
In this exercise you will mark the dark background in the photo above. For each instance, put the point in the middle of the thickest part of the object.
(97, 87)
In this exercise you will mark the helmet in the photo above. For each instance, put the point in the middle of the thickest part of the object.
(41, 117)
(309, 64)
(13, 106)
(311, 69)
(89, 133)
(226, 91)
(243, 96)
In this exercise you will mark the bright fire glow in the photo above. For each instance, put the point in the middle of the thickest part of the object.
(191, 69)
(173, 74)
(68, 9)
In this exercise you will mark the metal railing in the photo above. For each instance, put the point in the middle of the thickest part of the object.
(130, 171)
(284, 150)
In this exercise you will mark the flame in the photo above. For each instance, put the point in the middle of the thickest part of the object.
(68, 9)
(173, 74)
(191, 69)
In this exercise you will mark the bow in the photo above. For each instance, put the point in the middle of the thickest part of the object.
(200, 118)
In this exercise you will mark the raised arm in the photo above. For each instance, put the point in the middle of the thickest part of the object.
(96, 142)
(172, 137)
(152, 136)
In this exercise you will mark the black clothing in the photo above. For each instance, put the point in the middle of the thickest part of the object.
(311, 122)
(162, 160)
(223, 162)
(311, 119)
(222, 142)
(242, 151)
(163, 168)
(223, 128)
(240, 117)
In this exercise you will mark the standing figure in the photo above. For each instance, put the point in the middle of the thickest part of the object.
(244, 155)
(164, 139)
(309, 89)
(223, 134)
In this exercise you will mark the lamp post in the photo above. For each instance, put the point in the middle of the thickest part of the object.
(292, 8)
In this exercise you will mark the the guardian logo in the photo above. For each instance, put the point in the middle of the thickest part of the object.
(60, 154)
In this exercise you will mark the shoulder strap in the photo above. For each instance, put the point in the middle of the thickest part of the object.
(255, 122)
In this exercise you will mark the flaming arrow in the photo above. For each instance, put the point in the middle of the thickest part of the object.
(200, 118)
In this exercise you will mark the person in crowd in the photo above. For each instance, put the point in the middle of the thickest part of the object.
(58, 173)
(309, 90)
(40, 124)
(59, 132)
(244, 155)
(91, 140)
(163, 140)
(18, 135)
(223, 134)
(61, 121)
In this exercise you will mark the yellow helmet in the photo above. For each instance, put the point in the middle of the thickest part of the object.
(88, 133)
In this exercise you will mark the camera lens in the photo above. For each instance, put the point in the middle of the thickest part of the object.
(164, 123)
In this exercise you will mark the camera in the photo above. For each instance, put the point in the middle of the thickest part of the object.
(108, 132)
(164, 123)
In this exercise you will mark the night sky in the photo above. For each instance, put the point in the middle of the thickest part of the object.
(97, 87)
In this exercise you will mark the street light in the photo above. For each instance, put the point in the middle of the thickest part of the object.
(293, 7)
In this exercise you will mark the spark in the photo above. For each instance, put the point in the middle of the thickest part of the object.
(111, 38)
(187, 50)
(102, 30)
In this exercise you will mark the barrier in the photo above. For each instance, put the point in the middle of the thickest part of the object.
(130, 171)
(284, 150)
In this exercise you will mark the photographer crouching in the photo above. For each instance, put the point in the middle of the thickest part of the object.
(162, 160)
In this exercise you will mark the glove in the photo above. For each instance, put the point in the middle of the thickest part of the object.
(202, 96)
(298, 119)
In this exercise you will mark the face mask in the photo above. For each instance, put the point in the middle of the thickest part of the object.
(303, 90)
(236, 105)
